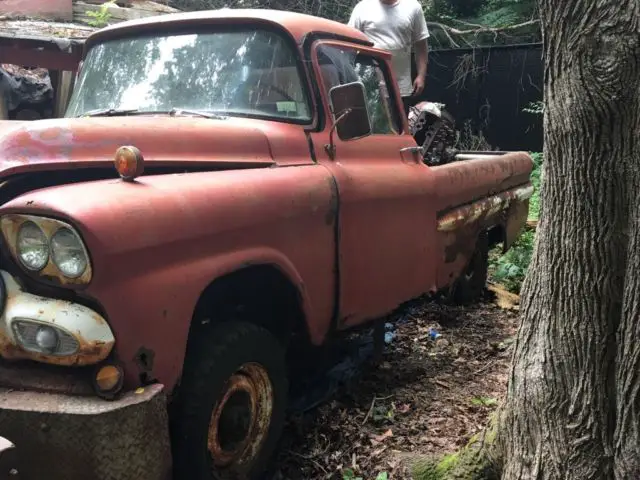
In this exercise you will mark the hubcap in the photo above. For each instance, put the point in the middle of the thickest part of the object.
(241, 418)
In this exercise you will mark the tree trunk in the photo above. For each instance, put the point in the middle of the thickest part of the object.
(573, 403)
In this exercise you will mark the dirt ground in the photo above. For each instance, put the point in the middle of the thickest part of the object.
(428, 396)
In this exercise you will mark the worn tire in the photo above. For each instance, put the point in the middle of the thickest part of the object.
(214, 357)
(469, 287)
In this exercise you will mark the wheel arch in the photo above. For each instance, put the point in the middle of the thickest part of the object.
(262, 293)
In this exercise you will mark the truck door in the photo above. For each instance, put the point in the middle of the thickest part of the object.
(387, 217)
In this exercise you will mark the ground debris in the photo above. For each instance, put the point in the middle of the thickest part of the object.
(428, 396)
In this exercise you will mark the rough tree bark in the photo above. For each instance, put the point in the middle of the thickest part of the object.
(573, 403)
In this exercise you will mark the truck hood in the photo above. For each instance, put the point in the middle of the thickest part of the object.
(163, 140)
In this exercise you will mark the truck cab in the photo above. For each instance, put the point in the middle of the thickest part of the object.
(224, 185)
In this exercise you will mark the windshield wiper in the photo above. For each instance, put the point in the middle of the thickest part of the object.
(113, 112)
(179, 111)
(109, 112)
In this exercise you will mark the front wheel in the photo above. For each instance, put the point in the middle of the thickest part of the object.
(230, 409)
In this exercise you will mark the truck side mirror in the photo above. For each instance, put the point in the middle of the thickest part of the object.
(349, 108)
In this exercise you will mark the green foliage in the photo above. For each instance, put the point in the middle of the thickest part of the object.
(349, 474)
(472, 462)
(484, 402)
(536, 178)
(101, 16)
(437, 470)
(510, 269)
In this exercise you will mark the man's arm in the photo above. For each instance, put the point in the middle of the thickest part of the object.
(422, 57)
(421, 49)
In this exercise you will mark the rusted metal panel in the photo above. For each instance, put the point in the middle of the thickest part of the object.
(77, 438)
(40, 377)
(47, 10)
(163, 141)
(481, 209)
(51, 59)
(90, 330)
(156, 244)
(51, 45)
(252, 385)
(470, 180)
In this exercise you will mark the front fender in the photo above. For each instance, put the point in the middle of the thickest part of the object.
(154, 310)
(157, 243)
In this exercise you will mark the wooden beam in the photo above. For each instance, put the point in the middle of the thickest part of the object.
(63, 89)
(116, 14)
(50, 59)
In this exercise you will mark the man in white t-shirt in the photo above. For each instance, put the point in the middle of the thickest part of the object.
(396, 26)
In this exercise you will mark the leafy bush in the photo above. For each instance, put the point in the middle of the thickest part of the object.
(100, 18)
(536, 177)
(510, 269)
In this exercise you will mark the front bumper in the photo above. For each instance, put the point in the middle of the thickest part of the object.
(91, 331)
(61, 437)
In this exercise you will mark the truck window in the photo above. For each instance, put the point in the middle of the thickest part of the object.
(339, 66)
(245, 73)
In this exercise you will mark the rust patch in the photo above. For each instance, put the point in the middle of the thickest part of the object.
(241, 417)
(89, 353)
(11, 226)
(144, 359)
(482, 209)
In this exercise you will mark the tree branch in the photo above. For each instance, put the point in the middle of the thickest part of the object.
(481, 29)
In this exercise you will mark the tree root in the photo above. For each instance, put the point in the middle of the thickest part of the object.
(477, 460)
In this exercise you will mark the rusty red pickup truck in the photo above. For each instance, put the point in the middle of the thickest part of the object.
(224, 185)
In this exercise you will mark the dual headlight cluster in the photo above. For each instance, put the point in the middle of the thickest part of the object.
(47, 246)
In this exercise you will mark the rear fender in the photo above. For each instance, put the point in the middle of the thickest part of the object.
(458, 228)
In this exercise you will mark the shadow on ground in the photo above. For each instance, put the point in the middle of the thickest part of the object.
(428, 396)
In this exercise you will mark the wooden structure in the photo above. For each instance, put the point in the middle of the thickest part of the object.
(58, 46)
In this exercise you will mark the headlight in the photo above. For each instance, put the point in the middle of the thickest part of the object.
(45, 339)
(32, 247)
(47, 247)
(68, 253)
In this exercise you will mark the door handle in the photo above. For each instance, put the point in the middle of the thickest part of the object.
(419, 150)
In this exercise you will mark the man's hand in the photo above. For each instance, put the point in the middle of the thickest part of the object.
(418, 85)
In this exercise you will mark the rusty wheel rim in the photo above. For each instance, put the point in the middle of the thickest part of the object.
(240, 419)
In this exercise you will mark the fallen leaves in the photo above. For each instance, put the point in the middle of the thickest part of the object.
(377, 439)
(426, 397)
(503, 298)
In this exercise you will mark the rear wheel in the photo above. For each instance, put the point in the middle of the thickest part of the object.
(231, 406)
(469, 287)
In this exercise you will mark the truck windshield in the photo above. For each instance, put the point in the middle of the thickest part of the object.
(249, 73)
